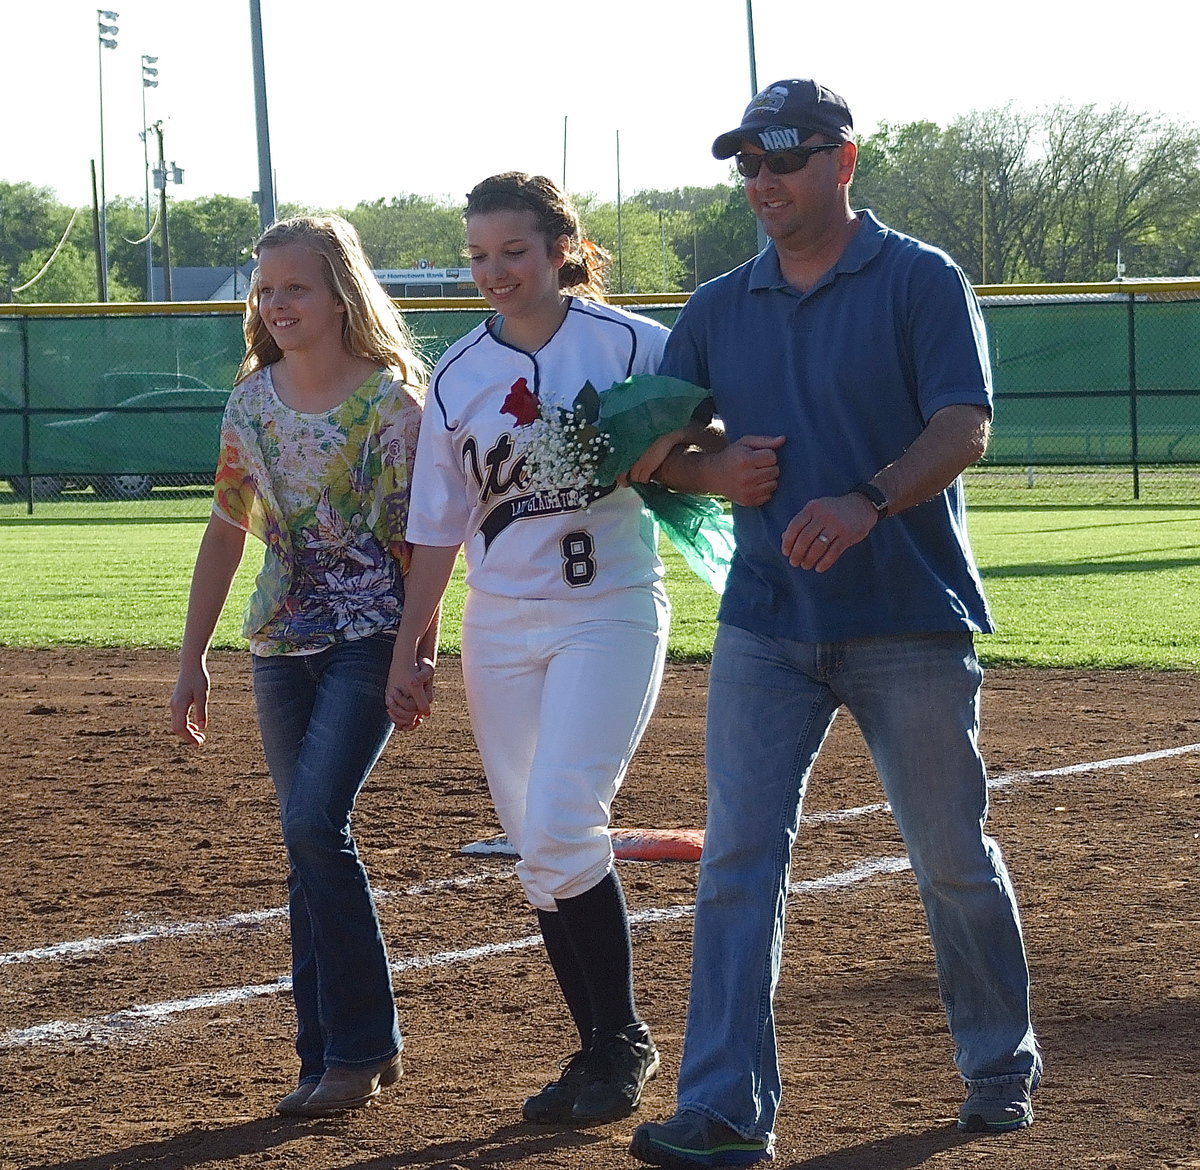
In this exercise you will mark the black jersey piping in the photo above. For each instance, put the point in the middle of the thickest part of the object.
(583, 307)
(485, 335)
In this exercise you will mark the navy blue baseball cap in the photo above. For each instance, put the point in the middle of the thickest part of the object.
(786, 113)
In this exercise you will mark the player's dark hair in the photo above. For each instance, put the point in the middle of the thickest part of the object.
(587, 263)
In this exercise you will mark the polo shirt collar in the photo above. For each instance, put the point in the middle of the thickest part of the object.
(765, 272)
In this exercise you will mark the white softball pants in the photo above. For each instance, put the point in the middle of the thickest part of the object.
(559, 694)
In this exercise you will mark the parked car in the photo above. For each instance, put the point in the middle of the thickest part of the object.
(162, 437)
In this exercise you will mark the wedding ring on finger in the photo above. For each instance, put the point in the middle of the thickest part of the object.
(822, 538)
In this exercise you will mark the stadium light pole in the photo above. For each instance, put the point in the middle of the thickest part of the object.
(106, 35)
(265, 195)
(149, 81)
(758, 227)
(750, 42)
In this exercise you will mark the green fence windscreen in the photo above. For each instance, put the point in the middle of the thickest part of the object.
(125, 402)
(1112, 381)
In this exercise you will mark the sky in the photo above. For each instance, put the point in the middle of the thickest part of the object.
(371, 99)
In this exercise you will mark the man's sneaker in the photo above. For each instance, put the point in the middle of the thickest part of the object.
(998, 1108)
(553, 1105)
(690, 1139)
(618, 1067)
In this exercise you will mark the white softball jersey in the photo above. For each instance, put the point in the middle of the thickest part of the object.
(466, 486)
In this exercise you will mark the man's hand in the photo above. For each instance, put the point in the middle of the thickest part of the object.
(747, 471)
(825, 528)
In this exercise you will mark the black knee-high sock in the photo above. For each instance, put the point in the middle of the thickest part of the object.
(597, 924)
(568, 973)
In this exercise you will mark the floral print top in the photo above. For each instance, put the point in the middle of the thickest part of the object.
(327, 494)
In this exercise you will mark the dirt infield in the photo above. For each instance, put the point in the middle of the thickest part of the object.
(142, 935)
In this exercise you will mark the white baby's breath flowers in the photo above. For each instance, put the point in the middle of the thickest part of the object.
(561, 452)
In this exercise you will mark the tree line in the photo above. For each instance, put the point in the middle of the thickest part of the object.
(1051, 196)
(1065, 193)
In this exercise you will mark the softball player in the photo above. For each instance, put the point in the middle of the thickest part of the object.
(565, 626)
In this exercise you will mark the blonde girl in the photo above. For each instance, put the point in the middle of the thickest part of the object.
(317, 447)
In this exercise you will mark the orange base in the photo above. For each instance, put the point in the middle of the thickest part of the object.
(628, 845)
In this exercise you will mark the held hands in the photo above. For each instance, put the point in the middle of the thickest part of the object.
(189, 704)
(825, 528)
(409, 694)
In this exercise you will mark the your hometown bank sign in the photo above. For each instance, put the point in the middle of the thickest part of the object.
(423, 277)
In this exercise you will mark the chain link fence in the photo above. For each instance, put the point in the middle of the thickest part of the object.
(1097, 393)
(115, 410)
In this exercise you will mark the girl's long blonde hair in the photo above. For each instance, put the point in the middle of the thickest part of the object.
(372, 327)
(587, 263)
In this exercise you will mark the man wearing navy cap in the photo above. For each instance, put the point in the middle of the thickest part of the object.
(855, 358)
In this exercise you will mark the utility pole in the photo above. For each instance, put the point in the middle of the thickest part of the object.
(97, 241)
(662, 240)
(162, 213)
(149, 81)
(620, 231)
(983, 276)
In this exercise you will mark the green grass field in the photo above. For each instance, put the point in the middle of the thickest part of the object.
(1087, 585)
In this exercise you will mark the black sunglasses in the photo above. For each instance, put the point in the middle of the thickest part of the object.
(780, 162)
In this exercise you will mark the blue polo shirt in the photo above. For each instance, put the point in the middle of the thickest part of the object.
(850, 371)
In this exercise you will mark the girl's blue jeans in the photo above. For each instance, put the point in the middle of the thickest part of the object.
(771, 704)
(324, 724)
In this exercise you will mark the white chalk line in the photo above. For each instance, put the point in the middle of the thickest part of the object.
(859, 872)
(1010, 778)
(117, 1023)
(125, 1024)
(75, 948)
(87, 946)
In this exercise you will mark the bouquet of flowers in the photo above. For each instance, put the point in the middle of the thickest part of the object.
(600, 437)
(562, 448)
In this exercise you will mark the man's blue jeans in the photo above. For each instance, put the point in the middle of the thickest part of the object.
(771, 704)
(324, 724)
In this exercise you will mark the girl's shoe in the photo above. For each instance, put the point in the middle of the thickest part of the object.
(553, 1105)
(618, 1067)
(289, 1106)
(350, 1088)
